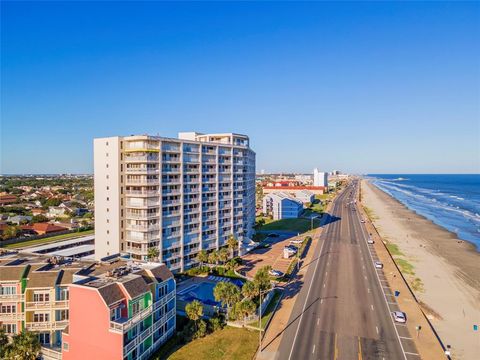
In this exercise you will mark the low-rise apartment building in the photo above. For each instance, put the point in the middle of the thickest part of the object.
(282, 206)
(111, 310)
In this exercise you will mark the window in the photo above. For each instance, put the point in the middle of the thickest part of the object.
(115, 313)
(41, 297)
(41, 317)
(135, 308)
(108, 177)
(63, 294)
(8, 309)
(44, 338)
(61, 315)
(10, 328)
(8, 290)
(65, 346)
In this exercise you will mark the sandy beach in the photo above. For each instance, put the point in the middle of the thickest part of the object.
(443, 271)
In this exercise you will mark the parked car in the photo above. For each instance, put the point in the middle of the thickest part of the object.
(276, 273)
(370, 241)
(363, 221)
(378, 264)
(399, 316)
(296, 241)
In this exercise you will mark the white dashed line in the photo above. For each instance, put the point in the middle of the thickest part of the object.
(376, 328)
(313, 351)
(371, 307)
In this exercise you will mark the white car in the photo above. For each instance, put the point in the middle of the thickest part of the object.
(378, 264)
(276, 273)
(363, 221)
(399, 316)
(370, 241)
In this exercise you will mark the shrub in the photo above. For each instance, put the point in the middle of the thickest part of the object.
(201, 329)
(216, 323)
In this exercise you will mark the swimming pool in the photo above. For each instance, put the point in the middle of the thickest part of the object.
(203, 292)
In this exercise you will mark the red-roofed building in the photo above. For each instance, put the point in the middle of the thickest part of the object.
(7, 199)
(43, 228)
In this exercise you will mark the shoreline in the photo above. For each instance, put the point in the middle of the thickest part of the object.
(442, 270)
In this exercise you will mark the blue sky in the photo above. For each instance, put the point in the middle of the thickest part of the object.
(362, 87)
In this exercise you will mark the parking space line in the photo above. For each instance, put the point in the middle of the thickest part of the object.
(410, 353)
(406, 338)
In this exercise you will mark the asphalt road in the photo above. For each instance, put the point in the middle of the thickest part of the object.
(343, 310)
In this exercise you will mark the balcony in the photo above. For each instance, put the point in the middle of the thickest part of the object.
(141, 171)
(50, 353)
(47, 325)
(11, 297)
(171, 170)
(141, 158)
(140, 205)
(142, 181)
(142, 192)
(149, 227)
(146, 146)
(141, 216)
(123, 324)
(16, 316)
(170, 202)
(145, 237)
(171, 213)
(56, 304)
(170, 148)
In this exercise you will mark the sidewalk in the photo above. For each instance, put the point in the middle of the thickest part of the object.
(427, 343)
(279, 322)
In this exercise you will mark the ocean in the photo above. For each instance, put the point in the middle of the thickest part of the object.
(450, 201)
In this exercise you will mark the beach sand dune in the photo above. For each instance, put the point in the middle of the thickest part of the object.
(443, 271)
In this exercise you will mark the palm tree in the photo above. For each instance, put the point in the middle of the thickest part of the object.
(262, 279)
(24, 346)
(153, 253)
(223, 255)
(194, 311)
(231, 265)
(249, 290)
(247, 308)
(232, 243)
(202, 257)
(227, 293)
(213, 257)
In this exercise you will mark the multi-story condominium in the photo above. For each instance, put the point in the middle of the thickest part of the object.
(320, 178)
(282, 206)
(179, 195)
(110, 310)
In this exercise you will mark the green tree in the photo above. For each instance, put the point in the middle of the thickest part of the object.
(249, 290)
(262, 279)
(194, 311)
(232, 244)
(223, 255)
(53, 202)
(245, 308)
(153, 253)
(202, 257)
(227, 293)
(24, 346)
(39, 218)
(11, 231)
(232, 264)
(3, 342)
(213, 257)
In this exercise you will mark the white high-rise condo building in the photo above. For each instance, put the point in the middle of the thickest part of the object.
(179, 195)
(320, 178)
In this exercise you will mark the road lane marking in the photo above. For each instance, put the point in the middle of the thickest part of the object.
(410, 353)
(406, 338)
(323, 284)
(318, 321)
(321, 301)
(371, 307)
(313, 351)
(305, 303)
(385, 298)
(376, 328)
(368, 290)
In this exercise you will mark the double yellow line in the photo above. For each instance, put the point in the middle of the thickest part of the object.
(359, 349)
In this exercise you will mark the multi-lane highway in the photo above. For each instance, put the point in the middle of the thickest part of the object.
(343, 310)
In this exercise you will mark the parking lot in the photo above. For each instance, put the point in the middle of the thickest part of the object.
(272, 255)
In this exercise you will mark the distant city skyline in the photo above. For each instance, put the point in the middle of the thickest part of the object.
(359, 87)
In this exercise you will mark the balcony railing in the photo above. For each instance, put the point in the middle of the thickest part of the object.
(47, 325)
(142, 193)
(51, 354)
(130, 215)
(122, 326)
(141, 171)
(149, 227)
(141, 158)
(11, 297)
(34, 305)
(16, 316)
(142, 181)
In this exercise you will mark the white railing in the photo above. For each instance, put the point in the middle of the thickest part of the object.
(11, 297)
(16, 316)
(143, 193)
(142, 181)
(51, 354)
(122, 327)
(33, 305)
(145, 158)
(141, 170)
(150, 227)
(47, 325)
